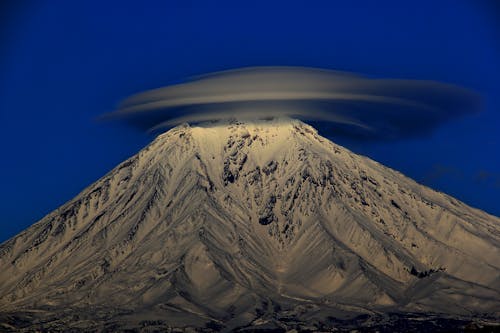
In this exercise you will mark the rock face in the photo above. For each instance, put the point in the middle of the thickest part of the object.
(233, 224)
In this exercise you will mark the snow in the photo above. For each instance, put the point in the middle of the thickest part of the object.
(177, 227)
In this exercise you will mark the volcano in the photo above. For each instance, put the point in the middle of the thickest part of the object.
(246, 225)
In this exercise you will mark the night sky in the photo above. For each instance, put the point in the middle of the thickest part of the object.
(65, 63)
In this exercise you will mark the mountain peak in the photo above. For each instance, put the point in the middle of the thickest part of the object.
(208, 135)
(217, 221)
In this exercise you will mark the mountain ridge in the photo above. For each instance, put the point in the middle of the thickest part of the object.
(221, 221)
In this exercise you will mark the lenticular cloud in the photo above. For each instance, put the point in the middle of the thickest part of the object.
(340, 103)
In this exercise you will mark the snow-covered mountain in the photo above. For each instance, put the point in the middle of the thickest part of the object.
(230, 224)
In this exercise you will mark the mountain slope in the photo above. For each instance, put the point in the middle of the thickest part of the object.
(228, 222)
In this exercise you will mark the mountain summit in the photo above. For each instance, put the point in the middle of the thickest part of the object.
(249, 224)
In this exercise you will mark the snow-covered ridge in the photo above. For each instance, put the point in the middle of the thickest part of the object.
(217, 218)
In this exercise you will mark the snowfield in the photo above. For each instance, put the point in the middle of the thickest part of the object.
(246, 224)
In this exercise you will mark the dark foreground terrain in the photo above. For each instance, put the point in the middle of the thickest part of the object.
(279, 322)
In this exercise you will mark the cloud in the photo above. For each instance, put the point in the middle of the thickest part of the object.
(489, 178)
(439, 171)
(339, 103)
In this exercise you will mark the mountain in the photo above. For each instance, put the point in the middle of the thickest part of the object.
(235, 225)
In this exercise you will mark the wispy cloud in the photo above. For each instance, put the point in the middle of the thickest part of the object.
(487, 177)
(341, 103)
(440, 171)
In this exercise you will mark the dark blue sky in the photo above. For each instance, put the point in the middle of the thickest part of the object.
(63, 63)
